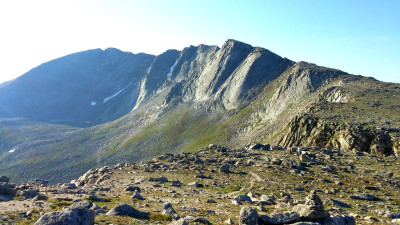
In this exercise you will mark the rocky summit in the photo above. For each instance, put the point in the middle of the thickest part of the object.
(331, 187)
(299, 143)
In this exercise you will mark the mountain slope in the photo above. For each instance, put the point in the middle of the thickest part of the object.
(184, 100)
(78, 89)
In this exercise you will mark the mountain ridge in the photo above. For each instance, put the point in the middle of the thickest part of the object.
(142, 106)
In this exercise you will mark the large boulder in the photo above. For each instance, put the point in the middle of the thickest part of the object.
(70, 216)
(127, 210)
(248, 216)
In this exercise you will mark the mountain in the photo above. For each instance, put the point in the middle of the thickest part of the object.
(99, 107)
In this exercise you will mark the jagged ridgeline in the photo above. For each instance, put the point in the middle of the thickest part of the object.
(100, 107)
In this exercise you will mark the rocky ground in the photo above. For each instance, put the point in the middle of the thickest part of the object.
(258, 184)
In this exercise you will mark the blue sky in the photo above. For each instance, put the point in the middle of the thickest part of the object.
(359, 37)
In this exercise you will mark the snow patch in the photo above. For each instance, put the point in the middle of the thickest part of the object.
(172, 67)
(108, 98)
(12, 150)
(93, 103)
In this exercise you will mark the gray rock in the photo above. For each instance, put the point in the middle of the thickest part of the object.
(236, 202)
(69, 186)
(40, 197)
(245, 198)
(210, 200)
(6, 198)
(330, 201)
(224, 168)
(133, 188)
(70, 216)
(194, 184)
(276, 161)
(281, 218)
(339, 220)
(288, 217)
(88, 205)
(158, 179)
(248, 216)
(201, 220)
(127, 210)
(179, 222)
(137, 196)
(6, 189)
(97, 199)
(365, 197)
(298, 189)
(27, 194)
(169, 210)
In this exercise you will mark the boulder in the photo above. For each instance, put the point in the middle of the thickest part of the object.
(127, 210)
(70, 216)
(133, 188)
(245, 198)
(224, 168)
(339, 220)
(88, 205)
(248, 216)
(169, 210)
(137, 196)
(27, 194)
(6, 189)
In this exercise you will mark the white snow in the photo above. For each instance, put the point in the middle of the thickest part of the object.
(172, 67)
(12, 150)
(93, 103)
(106, 99)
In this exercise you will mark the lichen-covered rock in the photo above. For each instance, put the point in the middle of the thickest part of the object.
(248, 216)
(70, 216)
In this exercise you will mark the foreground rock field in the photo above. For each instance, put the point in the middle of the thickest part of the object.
(258, 184)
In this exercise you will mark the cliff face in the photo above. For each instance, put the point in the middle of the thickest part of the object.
(99, 107)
